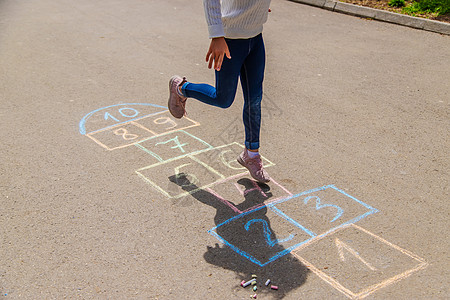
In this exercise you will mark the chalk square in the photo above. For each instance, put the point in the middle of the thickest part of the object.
(179, 177)
(260, 235)
(120, 136)
(243, 194)
(163, 122)
(224, 159)
(323, 210)
(172, 145)
(356, 261)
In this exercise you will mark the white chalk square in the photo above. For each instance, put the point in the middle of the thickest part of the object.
(224, 159)
(172, 145)
(179, 177)
(120, 136)
(164, 122)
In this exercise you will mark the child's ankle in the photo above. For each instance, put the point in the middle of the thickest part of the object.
(252, 153)
(179, 91)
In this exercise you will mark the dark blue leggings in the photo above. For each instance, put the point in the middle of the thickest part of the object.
(247, 62)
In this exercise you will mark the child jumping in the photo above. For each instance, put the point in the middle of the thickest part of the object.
(236, 51)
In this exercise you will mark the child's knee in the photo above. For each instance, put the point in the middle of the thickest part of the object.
(225, 100)
(225, 104)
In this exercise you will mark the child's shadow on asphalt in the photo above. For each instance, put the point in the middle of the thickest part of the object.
(252, 236)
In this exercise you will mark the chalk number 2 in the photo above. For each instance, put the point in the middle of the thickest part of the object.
(267, 232)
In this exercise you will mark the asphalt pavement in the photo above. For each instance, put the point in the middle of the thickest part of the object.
(105, 196)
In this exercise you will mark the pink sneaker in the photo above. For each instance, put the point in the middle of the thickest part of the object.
(177, 102)
(255, 167)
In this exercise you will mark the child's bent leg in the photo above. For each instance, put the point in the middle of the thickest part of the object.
(210, 95)
(223, 94)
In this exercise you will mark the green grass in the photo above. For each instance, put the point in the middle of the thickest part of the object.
(397, 3)
(438, 7)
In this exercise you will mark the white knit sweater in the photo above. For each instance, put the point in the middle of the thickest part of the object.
(235, 19)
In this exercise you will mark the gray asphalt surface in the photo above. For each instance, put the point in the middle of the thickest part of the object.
(355, 131)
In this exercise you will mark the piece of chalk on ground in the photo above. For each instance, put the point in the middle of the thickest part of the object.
(254, 282)
(267, 282)
(254, 276)
(255, 288)
(274, 287)
(242, 282)
(249, 282)
(253, 296)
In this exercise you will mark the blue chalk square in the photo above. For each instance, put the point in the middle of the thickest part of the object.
(260, 235)
(172, 145)
(116, 115)
(322, 210)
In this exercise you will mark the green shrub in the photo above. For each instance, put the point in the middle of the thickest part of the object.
(439, 7)
(397, 3)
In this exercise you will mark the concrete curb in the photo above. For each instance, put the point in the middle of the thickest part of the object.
(380, 15)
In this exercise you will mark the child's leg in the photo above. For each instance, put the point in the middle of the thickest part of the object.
(226, 79)
(252, 76)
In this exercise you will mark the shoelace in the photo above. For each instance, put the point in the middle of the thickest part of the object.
(255, 161)
(258, 162)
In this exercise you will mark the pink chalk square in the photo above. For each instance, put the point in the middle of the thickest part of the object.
(163, 122)
(121, 136)
(242, 193)
(356, 262)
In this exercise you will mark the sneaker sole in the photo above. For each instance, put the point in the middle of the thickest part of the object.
(170, 93)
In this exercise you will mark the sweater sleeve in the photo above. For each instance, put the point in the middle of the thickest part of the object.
(213, 16)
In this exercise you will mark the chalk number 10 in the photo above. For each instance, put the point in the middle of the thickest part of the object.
(126, 112)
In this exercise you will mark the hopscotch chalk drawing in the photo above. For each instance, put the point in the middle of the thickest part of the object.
(303, 217)
(277, 222)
